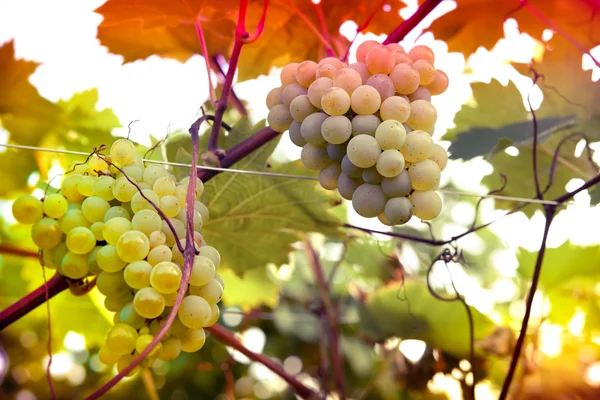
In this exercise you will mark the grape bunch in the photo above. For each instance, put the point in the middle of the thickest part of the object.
(367, 127)
(101, 224)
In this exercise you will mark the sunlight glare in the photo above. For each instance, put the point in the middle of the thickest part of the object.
(592, 375)
(74, 341)
(412, 349)
(551, 340)
(577, 323)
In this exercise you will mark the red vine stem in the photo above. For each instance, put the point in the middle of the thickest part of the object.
(408, 25)
(234, 101)
(260, 27)
(328, 49)
(226, 337)
(331, 314)
(18, 252)
(211, 87)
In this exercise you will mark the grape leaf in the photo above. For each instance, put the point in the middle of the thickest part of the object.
(257, 282)
(411, 312)
(138, 29)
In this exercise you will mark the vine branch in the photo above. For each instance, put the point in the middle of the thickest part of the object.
(409, 24)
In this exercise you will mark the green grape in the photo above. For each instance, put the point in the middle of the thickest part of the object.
(335, 101)
(153, 172)
(48, 258)
(203, 271)
(202, 209)
(46, 233)
(310, 129)
(363, 151)
(146, 221)
(398, 210)
(371, 175)
(350, 169)
(336, 129)
(301, 107)
(77, 169)
(199, 186)
(170, 298)
(164, 186)
(143, 186)
(80, 240)
(148, 303)
(365, 124)
(165, 277)
(390, 135)
(171, 348)
(296, 134)
(317, 88)
(336, 151)
(194, 312)
(383, 219)
(425, 175)
(159, 254)
(368, 200)
(212, 292)
(58, 252)
(122, 152)
(211, 253)
(170, 206)
(397, 186)
(107, 357)
(291, 92)
(94, 208)
(133, 172)
(133, 246)
(157, 238)
(274, 97)
(439, 156)
(123, 190)
(92, 262)
(328, 176)
(27, 209)
(395, 108)
(214, 315)
(74, 266)
(68, 188)
(423, 115)
(137, 274)
(406, 79)
(417, 147)
(72, 219)
(199, 239)
(193, 340)
(179, 230)
(124, 361)
(74, 206)
(96, 163)
(112, 303)
(219, 279)
(390, 163)
(114, 228)
(347, 79)
(85, 185)
(144, 330)
(365, 100)
(182, 216)
(138, 203)
(108, 259)
(112, 283)
(116, 211)
(55, 205)
(426, 204)
(314, 157)
(103, 187)
(347, 186)
(128, 315)
(144, 341)
(178, 329)
(181, 193)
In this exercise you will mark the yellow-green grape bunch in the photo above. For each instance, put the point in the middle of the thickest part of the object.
(367, 127)
(100, 224)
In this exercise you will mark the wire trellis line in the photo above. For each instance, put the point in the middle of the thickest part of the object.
(280, 175)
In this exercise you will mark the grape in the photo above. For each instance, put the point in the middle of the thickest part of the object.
(194, 312)
(74, 266)
(212, 254)
(114, 228)
(305, 74)
(214, 315)
(124, 362)
(193, 340)
(219, 279)
(133, 172)
(402, 58)
(178, 329)
(417, 147)
(365, 100)
(153, 172)
(55, 206)
(146, 221)
(336, 151)
(364, 48)
(139, 203)
(397, 186)
(380, 60)
(363, 151)
(202, 209)
(199, 240)
(328, 177)
(114, 303)
(422, 115)
(85, 185)
(395, 108)
(111, 283)
(68, 188)
(365, 124)
(72, 219)
(179, 230)
(94, 208)
(326, 71)
(362, 70)
(395, 47)
(212, 292)
(123, 190)
(406, 79)
(390, 135)
(350, 169)
(171, 348)
(157, 238)
(279, 118)
(27, 209)
(197, 218)
(137, 274)
(425, 175)
(316, 90)
(295, 134)
(426, 204)
(159, 254)
(439, 156)
(148, 303)
(383, 219)
(347, 79)
(422, 53)
(426, 71)
(383, 84)
(169, 205)
(80, 240)
(133, 246)
(368, 200)
(274, 97)
(115, 212)
(422, 93)
(347, 186)
(290, 92)
(390, 163)
(203, 271)
(301, 107)
(314, 157)
(288, 74)
(199, 186)
(335, 101)
(122, 152)
(95, 163)
(46, 233)
(310, 129)
(165, 277)
(103, 187)
(108, 259)
(370, 175)
(121, 339)
(129, 316)
(398, 210)
(164, 186)
(439, 83)
(97, 228)
(336, 129)
(144, 341)
(92, 262)
(332, 61)
(107, 357)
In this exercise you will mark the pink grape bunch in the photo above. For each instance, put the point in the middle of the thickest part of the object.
(367, 127)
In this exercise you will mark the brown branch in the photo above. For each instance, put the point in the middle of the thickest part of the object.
(18, 252)
(217, 64)
(408, 25)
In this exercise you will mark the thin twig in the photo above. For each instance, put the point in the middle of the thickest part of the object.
(49, 327)
(18, 252)
(323, 23)
(536, 176)
(149, 385)
(260, 27)
(235, 101)
(408, 25)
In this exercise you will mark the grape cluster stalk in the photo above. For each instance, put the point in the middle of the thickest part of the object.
(367, 128)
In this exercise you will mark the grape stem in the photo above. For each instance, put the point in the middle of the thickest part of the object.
(18, 252)
(409, 24)
(217, 63)
(323, 23)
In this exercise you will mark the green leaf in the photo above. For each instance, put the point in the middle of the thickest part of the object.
(253, 289)
(293, 319)
(411, 312)
(15, 167)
